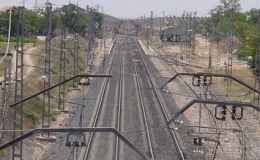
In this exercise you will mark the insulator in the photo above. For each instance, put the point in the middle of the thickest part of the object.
(234, 109)
(200, 142)
(76, 144)
(195, 142)
(224, 112)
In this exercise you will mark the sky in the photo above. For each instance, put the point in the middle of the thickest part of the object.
(138, 8)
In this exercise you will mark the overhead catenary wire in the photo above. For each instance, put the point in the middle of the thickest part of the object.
(9, 34)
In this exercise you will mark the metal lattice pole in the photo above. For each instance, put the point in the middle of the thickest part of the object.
(90, 39)
(163, 19)
(193, 45)
(147, 33)
(4, 108)
(86, 38)
(210, 51)
(229, 64)
(75, 54)
(218, 40)
(151, 24)
(18, 110)
(189, 35)
(62, 61)
(76, 59)
(46, 95)
(257, 64)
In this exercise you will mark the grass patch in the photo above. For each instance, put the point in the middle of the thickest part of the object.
(33, 108)
(2, 45)
(237, 92)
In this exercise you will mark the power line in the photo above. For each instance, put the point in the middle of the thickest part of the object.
(9, 35)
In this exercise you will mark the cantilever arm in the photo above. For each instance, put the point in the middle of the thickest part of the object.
(187, 106)
(56, 85)
(76, 129)
(211, 75)
(176, 75)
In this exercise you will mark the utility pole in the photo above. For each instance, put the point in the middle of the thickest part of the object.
(90, 37)
(188, 35)
(257, 65)
(47, 60)
(86, 37)
(18, 110)
(102, 29)
(4, 109)
(229, 64)
(23, 3)
(210, 51)
(143, 30)
(184, 26)
(163, 18)
(193, 39)
(104, 38)
(35, 7)
(62, 60)
(151, 24)
(219, 39)
(5, 105)
(76, 52)
(147, 33)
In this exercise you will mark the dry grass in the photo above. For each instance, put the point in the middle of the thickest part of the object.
(236, 91)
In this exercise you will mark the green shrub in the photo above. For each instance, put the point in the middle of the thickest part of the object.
(13, 39)
(31, 115)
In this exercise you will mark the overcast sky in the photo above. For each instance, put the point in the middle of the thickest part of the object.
(137, 8)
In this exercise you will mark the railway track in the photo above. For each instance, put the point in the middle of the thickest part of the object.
(131, 103)
(101, 98)
(141, 101)
(94, 144)
(139, 129)
(171, 60)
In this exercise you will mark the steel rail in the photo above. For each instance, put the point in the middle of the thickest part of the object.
(119, 107)
(210, 74)
(141, 101)
(181, 154)
(98, 111)
(212, 115)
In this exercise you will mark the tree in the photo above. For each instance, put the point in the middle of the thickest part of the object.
(228, 5)
(3, 24)
(252, 16)
(33, 23)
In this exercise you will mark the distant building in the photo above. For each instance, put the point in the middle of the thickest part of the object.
(6, 8)
(78, 9)
(174, 36)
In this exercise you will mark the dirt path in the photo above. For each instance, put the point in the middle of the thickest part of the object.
(27, 61)
(36, 153)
